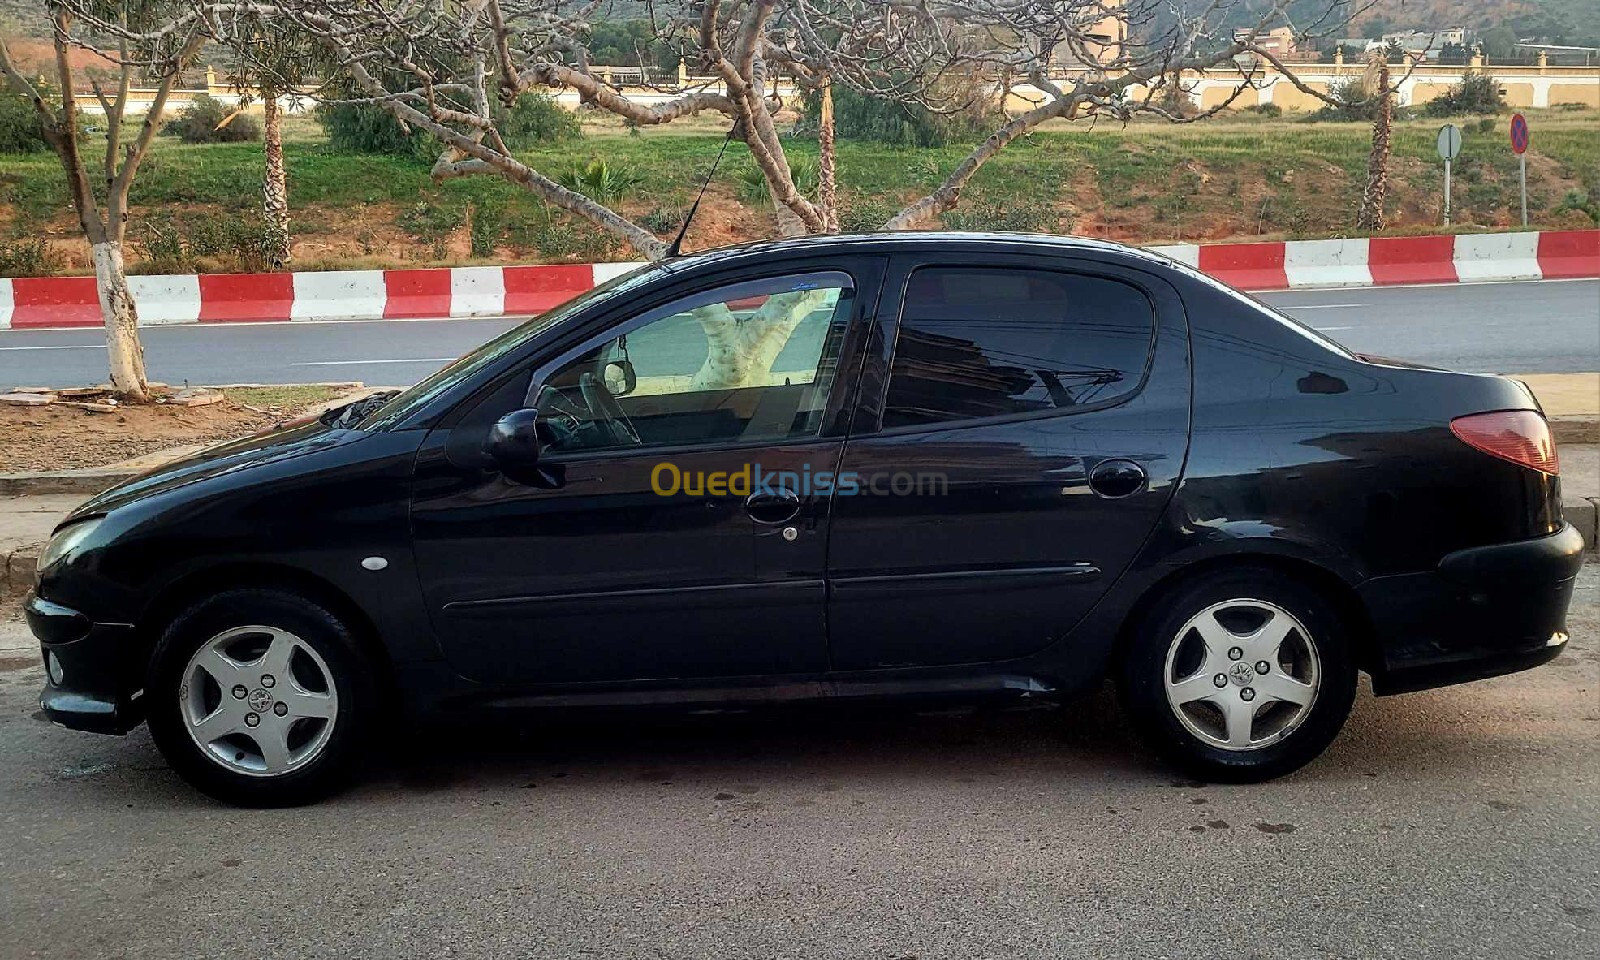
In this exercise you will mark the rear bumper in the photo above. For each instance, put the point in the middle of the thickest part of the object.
(99, 666)
(1484, 612)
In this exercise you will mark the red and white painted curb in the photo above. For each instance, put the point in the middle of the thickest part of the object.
(1387, 261)
(56, 302)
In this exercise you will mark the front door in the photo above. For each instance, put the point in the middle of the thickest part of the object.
(1028, 430)
(650, 546)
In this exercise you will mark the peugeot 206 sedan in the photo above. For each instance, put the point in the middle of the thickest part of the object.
(903, 466)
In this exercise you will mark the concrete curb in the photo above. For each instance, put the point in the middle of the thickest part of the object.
(490, 291)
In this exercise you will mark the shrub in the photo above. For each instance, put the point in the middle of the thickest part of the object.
(1476, 93)
(753, 183)
(858, 116)
(598, 180)
(198, 243)
(209, 120)
(485, 227)
(537, 118)
(20, 129)
(1353, 103)
(27, 258)
(364, 128)
(1265, 110)
(1578, 200)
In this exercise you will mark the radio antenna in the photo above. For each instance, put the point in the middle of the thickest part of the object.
(677, 243)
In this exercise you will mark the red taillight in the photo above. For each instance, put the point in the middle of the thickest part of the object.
(1521, 436)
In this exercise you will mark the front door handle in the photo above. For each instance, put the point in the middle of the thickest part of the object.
(773, 508)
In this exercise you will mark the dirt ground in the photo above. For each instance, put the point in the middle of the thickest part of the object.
(58, 437)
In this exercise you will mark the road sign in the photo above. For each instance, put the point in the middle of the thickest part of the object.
(1449, 142)
(1449, 149)
(1519, 133)
(1519, 146)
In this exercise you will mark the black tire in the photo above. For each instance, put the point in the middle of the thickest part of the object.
(348, 669)
(1144, 663)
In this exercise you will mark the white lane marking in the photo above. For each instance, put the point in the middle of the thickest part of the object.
(352, 363)
(1327, 329)
(1321, 306)
(64, 346)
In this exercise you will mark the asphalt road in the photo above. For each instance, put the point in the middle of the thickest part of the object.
(1459, 823)
(1532, 327)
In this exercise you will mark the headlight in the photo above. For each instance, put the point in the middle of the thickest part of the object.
(66, 542)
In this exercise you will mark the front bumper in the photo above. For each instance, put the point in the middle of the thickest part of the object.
(1484, 612)
(97, 673)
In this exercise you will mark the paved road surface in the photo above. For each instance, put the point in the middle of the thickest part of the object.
(1549, 327)
(1461, 823)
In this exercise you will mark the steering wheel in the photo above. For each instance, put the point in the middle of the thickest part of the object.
(607, 412)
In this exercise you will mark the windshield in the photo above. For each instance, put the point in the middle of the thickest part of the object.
(408, 402)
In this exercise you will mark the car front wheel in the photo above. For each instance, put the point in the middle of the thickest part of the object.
(1241, 675)
(259, 698)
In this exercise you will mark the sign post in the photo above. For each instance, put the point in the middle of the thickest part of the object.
(1519, 145)
(1449, 149)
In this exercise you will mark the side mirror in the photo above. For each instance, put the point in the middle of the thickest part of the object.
(513, 443)
(619, 378)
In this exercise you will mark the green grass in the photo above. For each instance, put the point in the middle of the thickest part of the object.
(1143, 182)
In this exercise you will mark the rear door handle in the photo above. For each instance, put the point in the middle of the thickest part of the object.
(1116, 478)
(773, 508)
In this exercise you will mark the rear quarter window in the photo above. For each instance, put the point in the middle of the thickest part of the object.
(980, 342)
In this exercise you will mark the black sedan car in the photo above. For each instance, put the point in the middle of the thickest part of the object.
(900, 466)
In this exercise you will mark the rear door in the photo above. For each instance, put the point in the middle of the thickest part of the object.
(1023, 424)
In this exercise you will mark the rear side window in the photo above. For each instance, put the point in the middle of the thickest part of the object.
(980, 342)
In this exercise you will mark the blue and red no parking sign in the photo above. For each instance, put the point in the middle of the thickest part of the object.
(1519, 133)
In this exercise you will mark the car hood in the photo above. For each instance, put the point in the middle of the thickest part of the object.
(247, 453)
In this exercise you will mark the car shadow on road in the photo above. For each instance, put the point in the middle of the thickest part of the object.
(1080, 745)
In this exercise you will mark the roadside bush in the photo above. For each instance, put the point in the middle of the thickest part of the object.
(857, 116)
(364, 128)
(20, 130)
(1476, 93)
(1265, 110)
(27, 258)
(598, 180)
(1353, 105)
(208, 120)
(1579, 201)
(485, 226)
(537, 118)
(753, 183)
(202, 243)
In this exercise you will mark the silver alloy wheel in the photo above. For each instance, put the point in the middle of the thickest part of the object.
(1242, 674)
(258, 701)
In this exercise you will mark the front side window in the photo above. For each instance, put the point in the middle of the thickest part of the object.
(978, 342)
(751, 361)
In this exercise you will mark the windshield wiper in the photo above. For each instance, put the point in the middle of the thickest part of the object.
(352, 413)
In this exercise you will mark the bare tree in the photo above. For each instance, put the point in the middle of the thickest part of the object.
(439, 67)
(100, 199)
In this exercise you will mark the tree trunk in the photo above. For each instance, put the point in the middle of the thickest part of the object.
(1371, 218)
(275, 185)
(122, 322)
(827, 185)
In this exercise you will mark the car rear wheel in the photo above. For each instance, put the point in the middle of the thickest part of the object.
(259, 698)
(1241, 675)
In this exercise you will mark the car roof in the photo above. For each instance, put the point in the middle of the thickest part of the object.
(906, 240)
